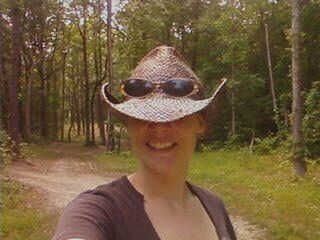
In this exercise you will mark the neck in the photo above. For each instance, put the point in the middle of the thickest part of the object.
(168, 187)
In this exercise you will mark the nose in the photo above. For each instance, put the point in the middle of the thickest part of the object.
(160, 127)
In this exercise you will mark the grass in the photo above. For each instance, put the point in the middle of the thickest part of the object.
(21, 218)
(262, 189)
(122, 163)
(36, 152)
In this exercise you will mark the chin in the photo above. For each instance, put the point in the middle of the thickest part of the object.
(161, 164)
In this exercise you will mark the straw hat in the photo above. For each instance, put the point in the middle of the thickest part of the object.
(158, 66)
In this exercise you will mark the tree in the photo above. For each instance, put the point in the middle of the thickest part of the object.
(3, 82)
(82, 16)
(110, 126)
(297, 104)
(14, 124)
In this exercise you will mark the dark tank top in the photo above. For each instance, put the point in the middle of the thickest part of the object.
(115, 211)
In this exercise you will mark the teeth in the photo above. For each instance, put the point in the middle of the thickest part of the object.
(161, 145)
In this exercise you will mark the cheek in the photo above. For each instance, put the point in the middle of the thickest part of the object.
(137, 140)
(188, 140)
(134, 137)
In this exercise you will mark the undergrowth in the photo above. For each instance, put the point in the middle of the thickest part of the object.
(21, 218)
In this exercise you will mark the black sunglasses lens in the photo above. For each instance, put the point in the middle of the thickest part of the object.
(178, 87)
(137, 87)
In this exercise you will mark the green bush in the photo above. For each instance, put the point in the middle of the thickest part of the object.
(311, 122)
(5, 150)
(233, 143)
(266, 145)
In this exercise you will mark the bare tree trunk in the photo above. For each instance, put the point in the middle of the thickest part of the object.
(110, 128)
(273, 93)
(55, 108)
(14, 130)
(285, 115)
(252, 141)
(78, 106)
(86, 75)
(83, 121)
(270, 69)
(72, 116)
(233, 108)
(297, 104)
(93, 135)
(78, 114)
(118, 146)
(63, 96)
(3, 81)
(27, 107)
(43, 96)
(100, 120)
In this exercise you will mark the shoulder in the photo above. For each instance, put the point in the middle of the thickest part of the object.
(216, 209)
(91, 214)
(207, 195)
(104, 193)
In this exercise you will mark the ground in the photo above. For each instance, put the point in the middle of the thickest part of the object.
(69, 170)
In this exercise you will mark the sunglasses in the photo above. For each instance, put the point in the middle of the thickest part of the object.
(138, 88)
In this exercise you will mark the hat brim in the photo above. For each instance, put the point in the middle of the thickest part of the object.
(160, 108)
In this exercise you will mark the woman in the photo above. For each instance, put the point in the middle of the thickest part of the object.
(164, 112)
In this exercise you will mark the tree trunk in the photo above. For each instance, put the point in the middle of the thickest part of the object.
(100, 120)
(297, 104)
(273, 93)
(285, 115)
(27, 107)
(3, 80)
(233, 107)
(110, 127)
(43, 96)
(95, 102)
(93, 135)
(63, 96)
(86, 75)
(72, 116)
(78, 115)
(119, 139)
(14, 130)
(55, 107)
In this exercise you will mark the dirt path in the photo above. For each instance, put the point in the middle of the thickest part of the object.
(63, 177)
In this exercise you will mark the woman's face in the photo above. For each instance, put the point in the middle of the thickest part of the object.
(165, 146)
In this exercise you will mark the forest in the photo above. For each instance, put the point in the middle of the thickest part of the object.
(262, 152)
(56, 54)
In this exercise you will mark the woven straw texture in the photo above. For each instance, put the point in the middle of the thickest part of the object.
(159, 65)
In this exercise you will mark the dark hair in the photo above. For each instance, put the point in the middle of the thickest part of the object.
(212, 111)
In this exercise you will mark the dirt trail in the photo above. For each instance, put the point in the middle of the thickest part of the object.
(63, 177)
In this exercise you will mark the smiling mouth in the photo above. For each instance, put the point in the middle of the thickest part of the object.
(161, 146)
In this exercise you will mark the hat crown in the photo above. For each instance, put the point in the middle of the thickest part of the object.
(161, 64)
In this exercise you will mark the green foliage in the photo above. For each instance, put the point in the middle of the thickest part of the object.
(233, 142)
(5, 149)
(266, 145)
(218, 39)
(209, 147)
(311, 121)
(123, 162)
